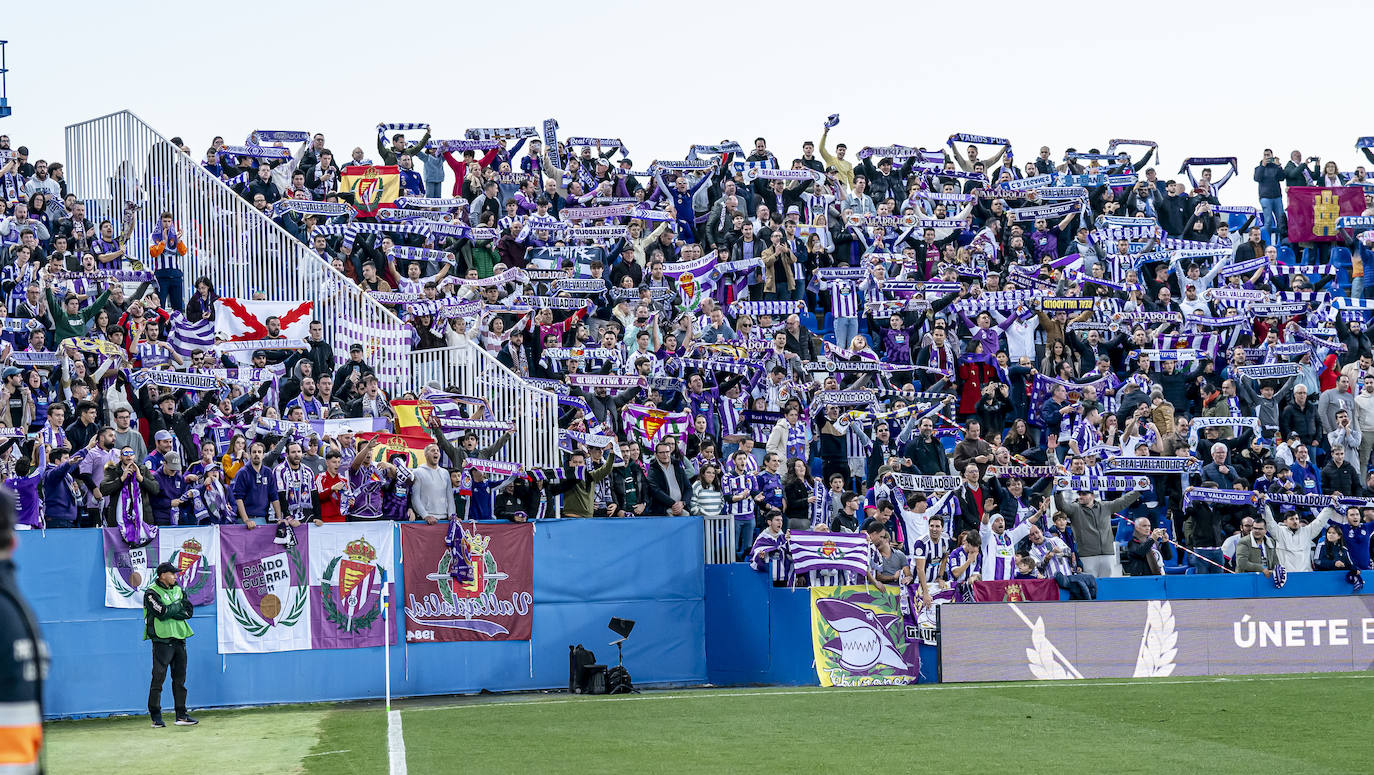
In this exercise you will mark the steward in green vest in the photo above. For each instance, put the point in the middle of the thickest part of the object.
(165, 611)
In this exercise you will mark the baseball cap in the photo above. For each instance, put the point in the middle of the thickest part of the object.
(355, 348)
(259, 353)
(163, 436)
(172, 460)
(10, 371)
(166, 567)
(794, 209)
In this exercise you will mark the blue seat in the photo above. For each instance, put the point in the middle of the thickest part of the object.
(1286, 255)
(1309, 257)
(1340, 257)
(1236, 220)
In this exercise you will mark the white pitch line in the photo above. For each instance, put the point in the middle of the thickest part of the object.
(921, 688)
(327, 753)
(395, 743)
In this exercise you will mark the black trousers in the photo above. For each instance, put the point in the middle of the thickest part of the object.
(172, 654)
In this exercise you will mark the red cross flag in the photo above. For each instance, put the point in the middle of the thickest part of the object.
(239, 320)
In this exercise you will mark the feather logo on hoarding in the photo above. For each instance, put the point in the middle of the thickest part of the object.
(1159, 642)
(1045, 661)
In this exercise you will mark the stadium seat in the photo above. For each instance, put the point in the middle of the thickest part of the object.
(1309, 257)
(1286, 255)
(1236, 220)
(1340, 256)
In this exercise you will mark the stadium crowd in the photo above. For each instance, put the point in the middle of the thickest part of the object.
(1067, 367)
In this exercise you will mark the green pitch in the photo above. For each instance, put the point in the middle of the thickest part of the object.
(1240, 725)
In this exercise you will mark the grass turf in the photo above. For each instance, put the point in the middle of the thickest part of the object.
(1164, 726)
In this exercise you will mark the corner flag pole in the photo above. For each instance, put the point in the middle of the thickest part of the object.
(386, 639)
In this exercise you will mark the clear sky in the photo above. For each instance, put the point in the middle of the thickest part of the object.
(1202, 78)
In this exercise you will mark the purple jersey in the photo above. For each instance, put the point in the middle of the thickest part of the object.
(396, 495)
(365, 486)
(897, 345)
(771, 487)
(30, 507)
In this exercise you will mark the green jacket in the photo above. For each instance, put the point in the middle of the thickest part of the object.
(389, 156)
(1249, 559)
(165, 612)
(67, 326)
(577, 494)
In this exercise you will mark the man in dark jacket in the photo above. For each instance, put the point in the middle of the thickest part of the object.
(1300, 417)
(352, 372)
(162, 415)
(320, 354)
(927, 453)
(669, 492)
(263, 184)
(1301, 173)
(629, 484)
(1269, 175)
(1338, 475)
(1173, 210)
(1147, 550)
(166, 610)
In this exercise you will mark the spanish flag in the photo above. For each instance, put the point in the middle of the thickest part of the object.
(390, 446)
(412, 417)
(373, 187)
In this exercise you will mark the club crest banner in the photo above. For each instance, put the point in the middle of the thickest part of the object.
(349, 564)
(129, 570)
(374, 187)
(859, 638)
(496, 603)
(263, 591)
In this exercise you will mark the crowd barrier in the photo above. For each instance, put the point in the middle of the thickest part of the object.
(585, 572)
(760, 634)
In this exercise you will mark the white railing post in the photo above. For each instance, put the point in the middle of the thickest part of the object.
(240, 250)
(473, 371)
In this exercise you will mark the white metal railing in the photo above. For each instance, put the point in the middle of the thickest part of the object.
(473, 371)
(720, 540)
(118, 158)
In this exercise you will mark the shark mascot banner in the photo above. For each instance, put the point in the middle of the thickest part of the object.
(860, 638)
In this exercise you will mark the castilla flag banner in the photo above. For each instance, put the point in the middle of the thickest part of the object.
(1313, 211)
(495, 603)
(374, 187)
(1016, 591)
(263, 596)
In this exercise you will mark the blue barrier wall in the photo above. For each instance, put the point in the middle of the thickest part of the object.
(585, 572)
(760, 634)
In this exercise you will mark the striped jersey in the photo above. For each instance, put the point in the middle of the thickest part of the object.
(297, 485)
(732, 485)
(934, 553)
(844, 300)
(999, 556)
(1056, 565)
(958, 557)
